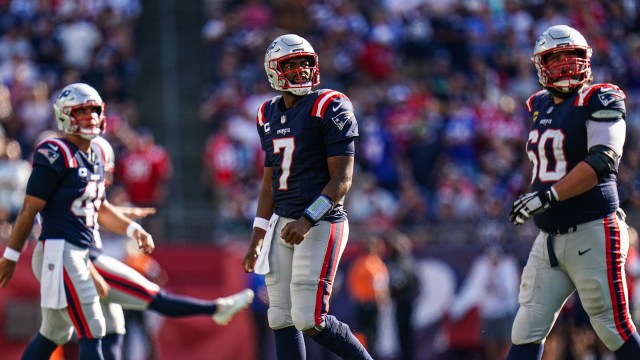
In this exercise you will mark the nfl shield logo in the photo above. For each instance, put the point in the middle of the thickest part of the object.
(51, 267)
(283, 119)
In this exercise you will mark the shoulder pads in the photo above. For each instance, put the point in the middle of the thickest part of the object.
(326, 97)
(54, 152)
(529, 102)
(261, 110)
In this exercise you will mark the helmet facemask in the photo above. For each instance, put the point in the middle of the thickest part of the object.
(564, 74)
(94, 117)
(309, 74)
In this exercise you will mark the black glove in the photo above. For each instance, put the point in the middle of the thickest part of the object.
(531, 204)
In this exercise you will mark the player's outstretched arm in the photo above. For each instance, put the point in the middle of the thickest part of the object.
(134, 212)
(19, 234)
(115, 221)
(264, 211)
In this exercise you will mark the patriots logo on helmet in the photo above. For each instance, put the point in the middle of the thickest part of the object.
(272, 46)
(51, 155)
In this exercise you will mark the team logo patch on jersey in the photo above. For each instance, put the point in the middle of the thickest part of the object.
(51, 155)
(341, 119)
(608, 97)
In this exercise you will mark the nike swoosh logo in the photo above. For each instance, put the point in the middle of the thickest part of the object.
(335, 108)
(54, 147)
(580, 252)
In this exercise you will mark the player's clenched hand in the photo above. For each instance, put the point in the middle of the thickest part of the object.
(144, 240)
(250, 258)
(295, 231)
(7, 267)
(530, 204)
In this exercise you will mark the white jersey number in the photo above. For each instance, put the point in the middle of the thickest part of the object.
(554, 152)
(286, 147)
(89, 202)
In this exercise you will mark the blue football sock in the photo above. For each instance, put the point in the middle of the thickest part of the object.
(90, 349)
(174, 305)
(289, 344)
(337, 337)
(39, 348)
(630, 350)
(525, 352)
(112, 346)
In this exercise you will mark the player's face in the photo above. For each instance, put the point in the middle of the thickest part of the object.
(87, 117)
(564, 65)
(296, 70)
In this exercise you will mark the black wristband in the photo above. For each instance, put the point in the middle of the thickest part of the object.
(318, 208)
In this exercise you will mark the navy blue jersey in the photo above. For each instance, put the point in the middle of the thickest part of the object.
(297, 142)
(558, 142)
(71, 212)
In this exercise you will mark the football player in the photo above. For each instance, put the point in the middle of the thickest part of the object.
(66, 187)
(575, 145)
(308, 139)
(120, 286)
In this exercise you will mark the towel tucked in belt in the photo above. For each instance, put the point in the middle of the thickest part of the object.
(51, 282)
(262, 264)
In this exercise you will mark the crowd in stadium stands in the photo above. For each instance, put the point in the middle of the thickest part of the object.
(438, 87)
(439, 90)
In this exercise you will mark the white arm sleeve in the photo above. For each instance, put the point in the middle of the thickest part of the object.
(607, 133)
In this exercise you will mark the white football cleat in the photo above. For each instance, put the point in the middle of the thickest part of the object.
(228, 306)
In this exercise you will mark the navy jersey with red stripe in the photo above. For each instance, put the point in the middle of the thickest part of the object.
(558, 141)
(71, 212)
(296, 141)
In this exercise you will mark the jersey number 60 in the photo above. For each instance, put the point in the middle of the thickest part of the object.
(545, 155)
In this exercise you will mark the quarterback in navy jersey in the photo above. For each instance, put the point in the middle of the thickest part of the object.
(66, 187)
(308, 139)
(575, 146)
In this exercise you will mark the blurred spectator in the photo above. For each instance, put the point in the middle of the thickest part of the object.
(14, 173)
(404, 288)
(144, 169)
(370, 204)
(492, 285)
(368, 285)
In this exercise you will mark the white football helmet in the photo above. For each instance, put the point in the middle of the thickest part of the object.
(562, 75)
(286, 47)
(76, 96)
